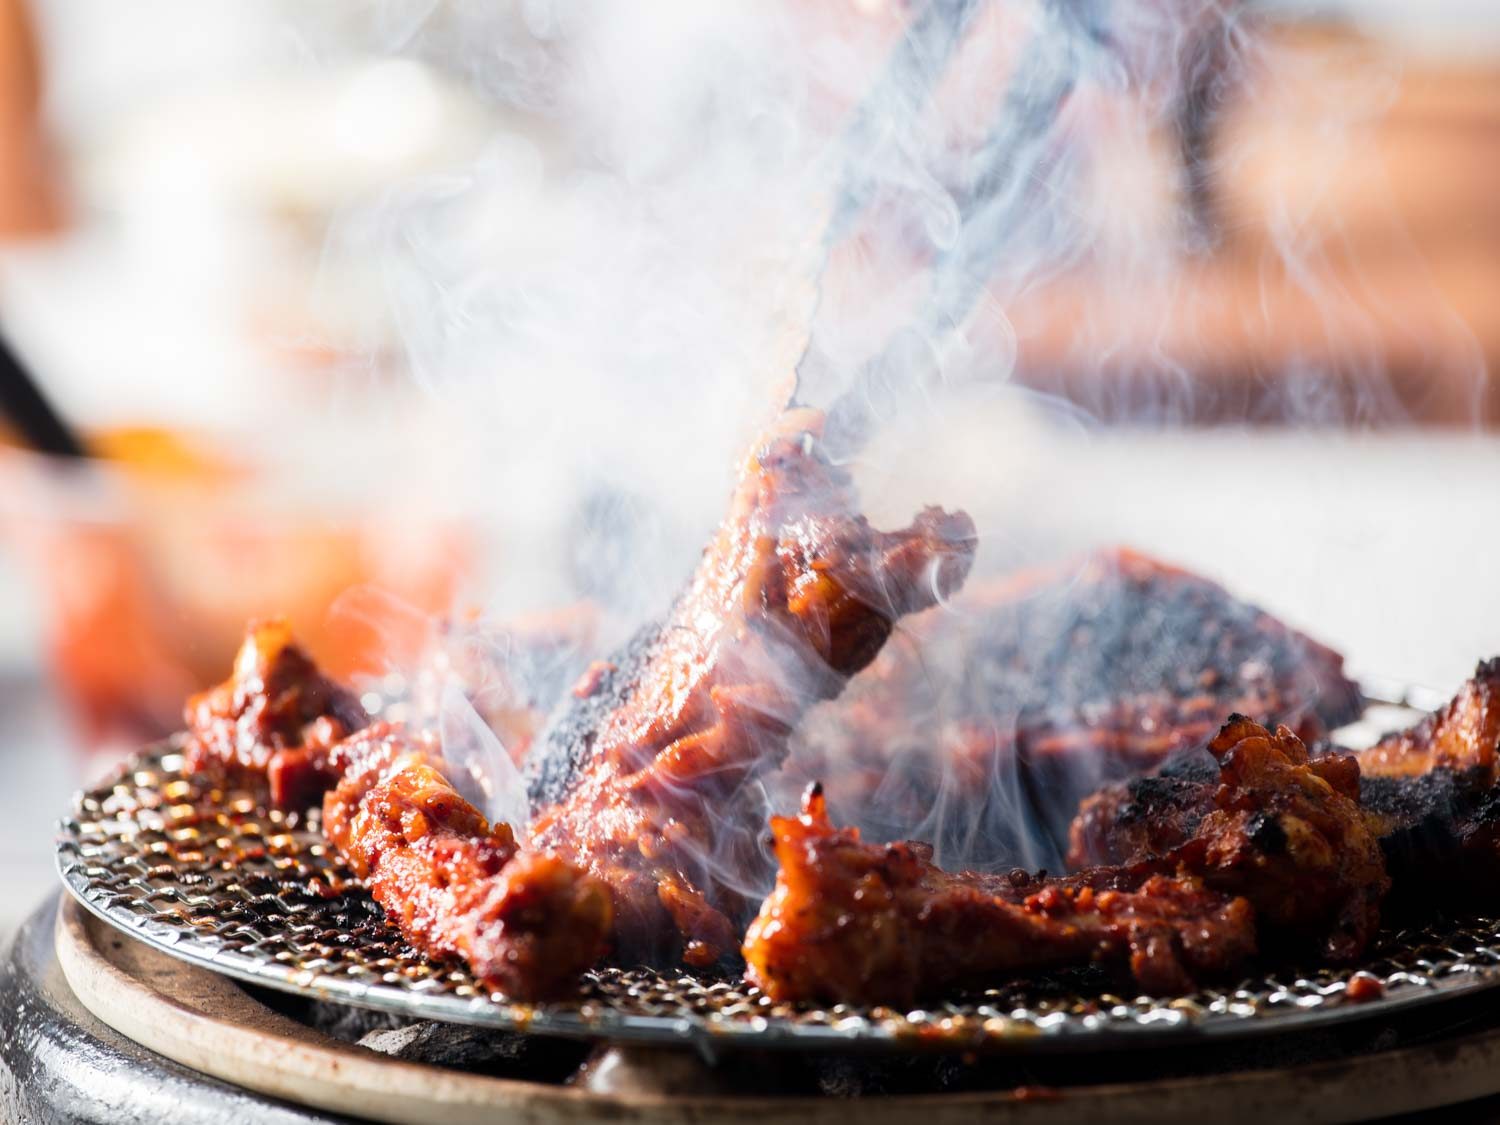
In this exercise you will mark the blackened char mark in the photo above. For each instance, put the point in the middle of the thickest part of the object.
(1149, 814)
(1184, 784)
(567, 743)
(1134, 629)
(1441, 835)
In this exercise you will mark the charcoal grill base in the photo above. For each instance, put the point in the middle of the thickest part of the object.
(60, 1063)
(59, 1060)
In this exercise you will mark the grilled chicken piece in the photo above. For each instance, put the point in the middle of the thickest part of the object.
(980, 728)
(1270, 822)
(1433, 794)
(276, 709)
(527, 923)
(1430, 794)
(853, 922)
(1279, 857)
(1256, 816)
(1463, 736)
(1286, 832)
(646, 783)
(279, 717)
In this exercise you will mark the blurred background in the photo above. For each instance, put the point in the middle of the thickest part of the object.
(200, 207)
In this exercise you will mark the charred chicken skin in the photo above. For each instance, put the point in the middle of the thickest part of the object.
(646, 782)
(982, 728)
(1286, 832)
(1429, 794)
(1463, 736)
(854, 922)
(1257, 816)
(1432, 792)
(1458, 745)
(526, 923)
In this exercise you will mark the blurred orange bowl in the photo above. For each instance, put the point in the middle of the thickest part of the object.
(150, 558)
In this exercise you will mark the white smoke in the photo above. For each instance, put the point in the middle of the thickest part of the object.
(616, 293)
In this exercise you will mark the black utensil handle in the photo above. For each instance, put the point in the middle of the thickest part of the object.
(22, 402)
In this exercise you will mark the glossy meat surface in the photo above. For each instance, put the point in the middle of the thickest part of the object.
(1256, 815)
(1277, 854)
(1286, 831)
(1428, 793)
(1464, 735)
(275, 701)
(1433, 794)
(648, 782)
(982, 727)
(854, 922)
(527, 924)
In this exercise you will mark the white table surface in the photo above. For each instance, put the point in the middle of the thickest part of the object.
(1385, 546)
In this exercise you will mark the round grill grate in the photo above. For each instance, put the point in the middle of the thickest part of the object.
(213, 876)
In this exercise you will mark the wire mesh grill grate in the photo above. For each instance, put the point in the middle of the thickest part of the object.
(213, 876)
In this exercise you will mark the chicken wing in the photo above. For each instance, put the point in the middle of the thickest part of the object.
(648, 781)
